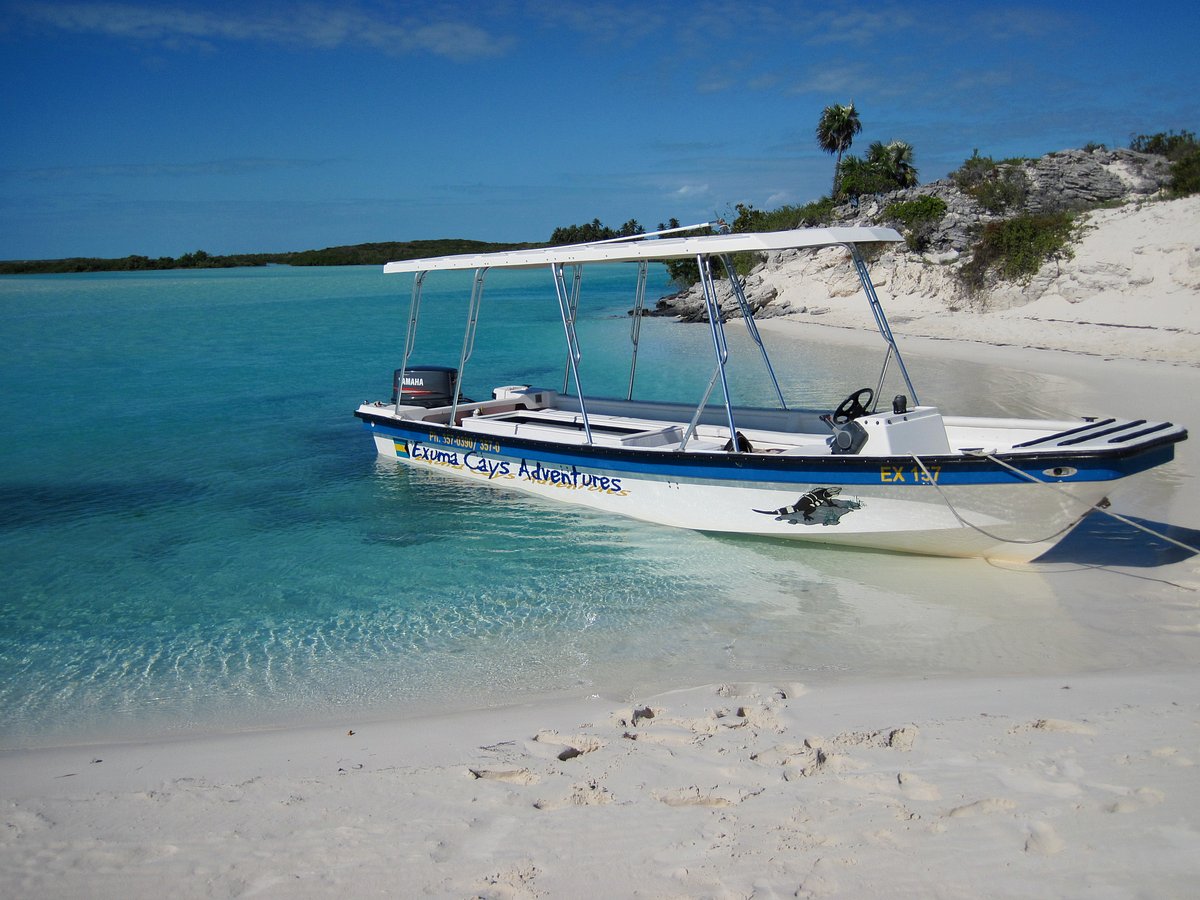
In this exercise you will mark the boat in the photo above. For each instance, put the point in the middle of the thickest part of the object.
(895, 475)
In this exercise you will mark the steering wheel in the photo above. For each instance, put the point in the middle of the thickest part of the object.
(854, 406)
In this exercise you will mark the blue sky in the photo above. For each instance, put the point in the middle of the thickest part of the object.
(165, 127)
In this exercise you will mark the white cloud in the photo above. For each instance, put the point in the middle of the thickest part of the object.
(311, 25)
(691, 190)
(845, 81)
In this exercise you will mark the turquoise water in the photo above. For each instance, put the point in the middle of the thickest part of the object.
(193, 525)
(195, 532)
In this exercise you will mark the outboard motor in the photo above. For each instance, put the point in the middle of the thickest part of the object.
(426, 386)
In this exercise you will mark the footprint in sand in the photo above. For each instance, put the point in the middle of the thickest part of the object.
(982, 807)
(821, 881)
(693, 796)
(655, 727)
(1142, 798)
(1043, 840)
(20, 823)
(758, 716)
(902, 738)
(588, 793)
(509, 776)
(516, 881)
(667, 736)
(756, 691)
(1171, 755)
(571, 745)
(797, 760)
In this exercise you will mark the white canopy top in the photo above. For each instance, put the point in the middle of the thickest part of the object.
(660, 249)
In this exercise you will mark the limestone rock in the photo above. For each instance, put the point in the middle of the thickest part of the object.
(793, 282)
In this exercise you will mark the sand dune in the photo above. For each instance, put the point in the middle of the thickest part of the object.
(1131, 291)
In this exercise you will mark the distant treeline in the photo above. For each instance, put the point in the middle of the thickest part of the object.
(353, 255)
(594, 230)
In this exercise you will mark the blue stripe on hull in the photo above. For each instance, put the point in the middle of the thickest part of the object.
(842, 470)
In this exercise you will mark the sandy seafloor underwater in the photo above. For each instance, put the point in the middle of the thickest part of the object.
(196, 534)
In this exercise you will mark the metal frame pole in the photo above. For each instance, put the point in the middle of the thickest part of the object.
(718, 335)
(639, 304)
(881, 322)
(468, 338)
(751, 326)
(573, 308)
(410, 337)
(573, 354)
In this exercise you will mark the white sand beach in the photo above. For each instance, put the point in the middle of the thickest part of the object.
(1050, 787)
(1131, 290)
(1075, 776)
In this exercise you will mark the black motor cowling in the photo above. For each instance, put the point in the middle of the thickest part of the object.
(426, 386)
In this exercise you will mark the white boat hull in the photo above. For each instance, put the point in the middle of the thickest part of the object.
(1001, 521)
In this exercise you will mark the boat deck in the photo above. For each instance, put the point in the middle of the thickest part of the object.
(567, 427)
(548, 416)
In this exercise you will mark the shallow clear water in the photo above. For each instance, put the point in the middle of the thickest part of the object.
(196, 533)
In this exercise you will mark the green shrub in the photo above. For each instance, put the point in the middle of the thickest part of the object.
(996, 186)
(861, 178)
(1166, 143)
(914, 212)
(973, 172)
(749, 219)
(1016, 248)
(1005, 191)
(920, 217)
(1185, 174)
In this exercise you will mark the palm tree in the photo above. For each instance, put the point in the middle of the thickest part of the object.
(835, 133)
(856, 177)
(894, 161)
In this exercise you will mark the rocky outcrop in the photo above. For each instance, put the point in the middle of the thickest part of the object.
(790, 282)
(1067, 180)
(1082, 179)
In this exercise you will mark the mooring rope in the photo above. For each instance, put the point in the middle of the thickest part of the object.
(1098, 507)
(980, 528)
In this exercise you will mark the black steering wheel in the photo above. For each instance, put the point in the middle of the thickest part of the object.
(854, 406)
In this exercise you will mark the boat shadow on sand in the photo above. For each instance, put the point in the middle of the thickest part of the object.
(1102, 541)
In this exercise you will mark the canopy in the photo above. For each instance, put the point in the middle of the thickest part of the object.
(660, 249)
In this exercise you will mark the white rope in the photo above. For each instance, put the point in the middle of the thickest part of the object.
(1097, 507)
(980, 529)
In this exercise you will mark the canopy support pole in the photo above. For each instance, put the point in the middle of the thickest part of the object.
(691, 429)
(751, 326)
(635, 330)
(469, 338)
(573, 354)
(881, 322)
(574, 311)
(410, 337)
(718, 335)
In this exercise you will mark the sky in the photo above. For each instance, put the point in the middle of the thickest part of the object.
(160, 128)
